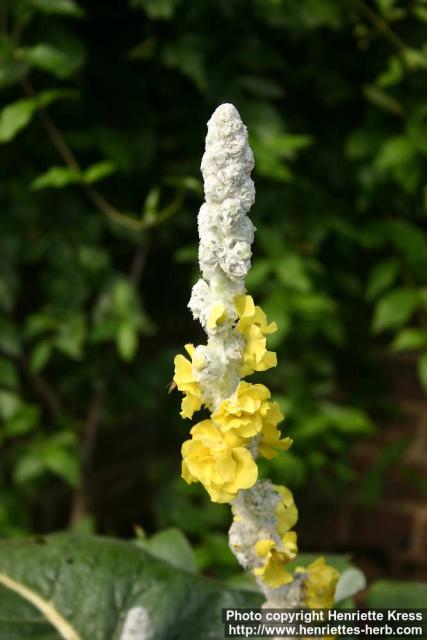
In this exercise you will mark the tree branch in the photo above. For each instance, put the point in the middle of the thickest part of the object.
(381, 26)
(40, 384)
(97, 199)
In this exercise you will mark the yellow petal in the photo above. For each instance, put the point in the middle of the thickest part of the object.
(217, 315)
(320, 584)
(289, 542)
(285, 510)
(206, 431)
(247, 470)
(225, 467)
(268, 360)
(263, 546)
(190, 403)
(189, 349)
(186, 475)
(275, 574)
(245, 308)
(183, 371)
(217, 494)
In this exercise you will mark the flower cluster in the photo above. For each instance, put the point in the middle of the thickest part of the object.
(243, 420)
(219, 461)
(217, 454)
(319, 584)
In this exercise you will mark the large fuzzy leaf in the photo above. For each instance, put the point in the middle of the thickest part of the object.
(90, 588)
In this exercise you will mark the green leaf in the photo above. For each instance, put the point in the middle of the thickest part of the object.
(127, 340)
(258, 274)
(422, 370)
(272, 147)
(156, 9)
(172, 546)
(385, 5)
(98, 171)
(421, 13)
(270, 164)
(186, 254)
(10, 338)
(23, 420)
(40, 355)
(287, 145)
(190, 183)
(62, 462)
(71, 335)
(9, 403)
(11, 71)
(348, 419)
(51, 59)
(187, 56)
(28, 468)
(8, 374)
(381, 277)
(395, 151)
(53, 585)
(291, 273)
(399, 157)
(393, 73)
(56, 453)
(151, 204)
(415, 58)
(409, 239)
(58, 7)
(409, 339)
(17, 115)
(261, 86)
(395, 593)
(394, 309)
(56, 177)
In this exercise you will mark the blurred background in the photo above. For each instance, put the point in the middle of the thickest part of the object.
(102, 123)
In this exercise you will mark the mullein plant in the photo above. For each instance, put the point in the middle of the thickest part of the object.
(243, 422)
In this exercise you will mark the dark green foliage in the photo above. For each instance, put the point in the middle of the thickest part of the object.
(104, 114)
(93, 583)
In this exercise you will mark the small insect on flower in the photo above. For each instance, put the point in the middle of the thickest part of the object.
(171, 386)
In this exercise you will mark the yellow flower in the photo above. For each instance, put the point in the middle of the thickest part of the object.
(219, 461)
(244, 411)
(187, 383)
(285, 510)
(254, 327)
(217, 315)
(289, 541)
(273, 572)
(320, 584)
(270, 440)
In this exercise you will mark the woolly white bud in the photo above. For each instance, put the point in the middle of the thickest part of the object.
(226, 235)
(225, 232)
